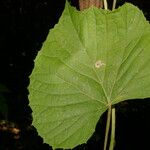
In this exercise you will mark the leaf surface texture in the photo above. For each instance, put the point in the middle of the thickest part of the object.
(91, 59)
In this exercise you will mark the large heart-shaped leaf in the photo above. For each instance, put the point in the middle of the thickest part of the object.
(90, 60)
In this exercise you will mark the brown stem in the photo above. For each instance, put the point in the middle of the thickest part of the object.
(84, 4)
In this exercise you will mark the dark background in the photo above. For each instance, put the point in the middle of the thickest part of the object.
(24, 25)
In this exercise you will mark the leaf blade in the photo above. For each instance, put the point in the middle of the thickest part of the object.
(90, 60)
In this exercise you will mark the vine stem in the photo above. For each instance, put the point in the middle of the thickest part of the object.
(113, 123)
(105, 4)
(107, 127)
(114, 4)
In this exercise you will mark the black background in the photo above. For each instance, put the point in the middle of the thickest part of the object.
(24, 25)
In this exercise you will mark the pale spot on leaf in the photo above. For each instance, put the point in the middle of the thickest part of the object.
(99, 64)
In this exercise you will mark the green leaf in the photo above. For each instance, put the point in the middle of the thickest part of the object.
(91, 59)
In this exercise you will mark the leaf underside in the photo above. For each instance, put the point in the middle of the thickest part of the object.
(91, 59)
